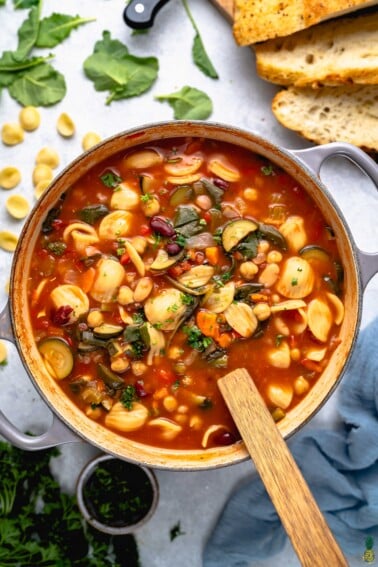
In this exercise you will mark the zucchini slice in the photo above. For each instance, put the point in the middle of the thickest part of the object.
(110, 378)
(163, 261)
(235, 231)
(314, 252)
(107, 331)
(57, 356)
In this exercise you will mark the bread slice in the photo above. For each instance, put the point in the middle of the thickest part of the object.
(259, 20)
(331, 114)
(344, 50)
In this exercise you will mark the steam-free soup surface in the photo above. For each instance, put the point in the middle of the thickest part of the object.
(168, 266)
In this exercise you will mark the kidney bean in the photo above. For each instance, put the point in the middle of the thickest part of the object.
(225, 438)
(221, 183)
(162, 226)
(173, 248)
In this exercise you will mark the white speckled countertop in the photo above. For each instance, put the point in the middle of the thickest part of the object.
(239, 98)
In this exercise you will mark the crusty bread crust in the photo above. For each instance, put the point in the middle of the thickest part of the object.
(259, 20)
(342, 51)
(331, 114)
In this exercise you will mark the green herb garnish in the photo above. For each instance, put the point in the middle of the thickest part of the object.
(188, 103)
(110, 179)
(128, 397)
(267, 170)
(57, 248)
(196, 339)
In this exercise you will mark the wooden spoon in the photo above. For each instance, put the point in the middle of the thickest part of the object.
(302, 519)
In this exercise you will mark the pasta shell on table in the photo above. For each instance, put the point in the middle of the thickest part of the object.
(48, 156)
(10, 177)
(89, 140)
(65, 125)
(125, 419)
(30, 118)
(320, 319)
(12, 134)
(8, 240)
(297, 278)
(17, 206)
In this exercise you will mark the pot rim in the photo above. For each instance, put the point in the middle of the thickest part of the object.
(284, 158)
(84, 476)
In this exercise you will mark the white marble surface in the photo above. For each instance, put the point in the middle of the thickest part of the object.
(240, 98)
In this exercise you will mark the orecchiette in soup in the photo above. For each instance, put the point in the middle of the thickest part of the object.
(168, 266)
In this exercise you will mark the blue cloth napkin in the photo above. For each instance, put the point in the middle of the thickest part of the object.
(340, 466)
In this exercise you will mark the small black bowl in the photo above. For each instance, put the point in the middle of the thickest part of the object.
(115, 496)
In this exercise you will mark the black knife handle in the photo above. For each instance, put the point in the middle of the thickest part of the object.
(140, 14)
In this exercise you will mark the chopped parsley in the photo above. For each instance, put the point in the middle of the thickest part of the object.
(294, 281)
(187, 299)
(267, 170)
(128, 397)
(146, 197)
(196, 339)
(110, 179)
(57, 248)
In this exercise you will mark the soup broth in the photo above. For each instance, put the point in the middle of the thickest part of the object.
(170, 265)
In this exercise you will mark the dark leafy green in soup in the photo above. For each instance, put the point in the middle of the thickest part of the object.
(166, 267)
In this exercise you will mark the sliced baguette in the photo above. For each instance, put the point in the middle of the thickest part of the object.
(341, 51)
(331, 114)
(259, 20)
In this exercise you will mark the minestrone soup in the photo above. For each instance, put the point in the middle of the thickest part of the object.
(168, 266)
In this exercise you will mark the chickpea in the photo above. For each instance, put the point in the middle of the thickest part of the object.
(181, 418)
(138, 368)
(295, 354)
(195, 422)
(175, 352)
(12, 134)
(65, 126)
(263, 246)
(95, 318)
(125, 295)
(90, 139)
(42, 172)
(274, 257)
(30, 118)
(269, 275)
(248, 270)
(170, 403)
(10, 177)
(301, 386)
(250, 194)
(204, 202)
(151, 207)
(41, 187)
(182, 409)
(48, 156)
(262, 311)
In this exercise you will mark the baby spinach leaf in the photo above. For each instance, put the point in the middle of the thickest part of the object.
(188, 103)
(27, 34)
(112, 68)
(2, 2)
(57, 27)
(110, 46)
(200, 56)
(24, 4)
(41, 86)
(11, 70)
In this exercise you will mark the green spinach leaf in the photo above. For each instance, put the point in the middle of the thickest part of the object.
(57, 27)
(188, 103)
(27, 34)
(41, 86)
(10, 70)
(112, 68)
(24, 4)
(200, 56)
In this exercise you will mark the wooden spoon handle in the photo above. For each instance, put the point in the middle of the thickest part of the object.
(299, 513)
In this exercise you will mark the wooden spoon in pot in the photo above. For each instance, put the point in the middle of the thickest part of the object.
(302, 519)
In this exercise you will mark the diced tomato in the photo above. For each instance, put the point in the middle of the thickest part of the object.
(311, 365)
(166, 376)
(124, 259)
(145, 230)
(207, 216)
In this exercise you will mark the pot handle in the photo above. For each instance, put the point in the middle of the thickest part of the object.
(57, 434)
(314, 159)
